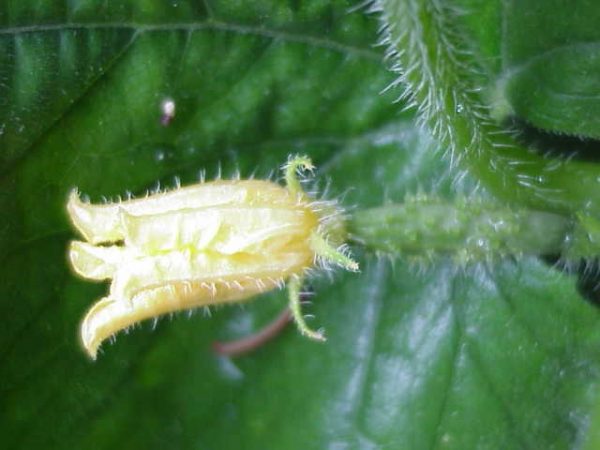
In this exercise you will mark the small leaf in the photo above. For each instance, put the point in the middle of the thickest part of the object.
(551, 61)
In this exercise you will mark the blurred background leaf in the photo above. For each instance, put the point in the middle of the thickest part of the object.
(551, 59)
(493, 356)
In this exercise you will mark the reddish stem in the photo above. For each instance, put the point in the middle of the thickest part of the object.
(256, 340)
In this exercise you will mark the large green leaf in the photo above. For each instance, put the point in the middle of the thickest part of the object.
(491, 356)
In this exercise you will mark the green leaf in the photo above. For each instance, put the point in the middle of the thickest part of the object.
(502, 356)
(550, 57)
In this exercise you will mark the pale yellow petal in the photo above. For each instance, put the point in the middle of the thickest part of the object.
(102, 223)
(96, 223)
(186, 267)
(226, 229)
(95, 263)
(109, 316)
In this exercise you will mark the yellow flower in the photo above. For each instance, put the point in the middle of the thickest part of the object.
(215, 242)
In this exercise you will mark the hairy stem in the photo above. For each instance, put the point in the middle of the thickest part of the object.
(443, 80)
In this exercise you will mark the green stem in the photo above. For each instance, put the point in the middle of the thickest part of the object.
(443, 80)
(291, 168)
(294, 296)
(472, 230)
(324, 250)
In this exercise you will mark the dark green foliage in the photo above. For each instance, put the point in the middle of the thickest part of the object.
(487, 357)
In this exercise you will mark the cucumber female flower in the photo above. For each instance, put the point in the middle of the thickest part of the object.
(215, 242)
